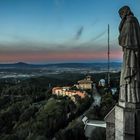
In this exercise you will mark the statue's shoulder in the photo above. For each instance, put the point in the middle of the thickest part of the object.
(131, 19)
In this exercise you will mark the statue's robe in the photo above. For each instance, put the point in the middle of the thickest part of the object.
(129, 39)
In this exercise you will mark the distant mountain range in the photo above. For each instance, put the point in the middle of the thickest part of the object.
(62, 65)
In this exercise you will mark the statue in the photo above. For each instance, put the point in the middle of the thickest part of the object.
(129, 39)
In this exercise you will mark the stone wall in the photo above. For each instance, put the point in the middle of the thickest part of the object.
(110, 131)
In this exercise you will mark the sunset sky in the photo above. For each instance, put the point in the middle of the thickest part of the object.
(53, 31)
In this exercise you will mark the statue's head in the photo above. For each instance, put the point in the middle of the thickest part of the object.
(124, 11)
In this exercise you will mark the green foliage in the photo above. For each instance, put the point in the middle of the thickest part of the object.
(55, 111)
(74, 131)
(98, 134)
(8, 118)
(9, 137)
(28, 113)
(94, 113)
(107, 103)
(83, 104)
(4, 102)
(28, 110)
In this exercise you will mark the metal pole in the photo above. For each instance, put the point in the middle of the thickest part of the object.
(108, 54)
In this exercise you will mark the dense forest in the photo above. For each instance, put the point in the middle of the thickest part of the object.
(28, 110)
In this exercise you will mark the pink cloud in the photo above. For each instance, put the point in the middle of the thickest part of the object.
(59, 56)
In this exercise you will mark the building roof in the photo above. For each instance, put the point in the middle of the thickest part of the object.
(57, 88)
(110, 117)
(85, 81)
(76, 92)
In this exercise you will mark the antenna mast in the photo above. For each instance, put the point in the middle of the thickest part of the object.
(108, 54)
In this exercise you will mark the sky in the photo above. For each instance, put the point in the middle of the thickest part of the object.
(57, 31)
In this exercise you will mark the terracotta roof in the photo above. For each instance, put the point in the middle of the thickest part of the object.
(81, 94)
(57, 88)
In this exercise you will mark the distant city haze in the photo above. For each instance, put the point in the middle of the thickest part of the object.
(55, 31)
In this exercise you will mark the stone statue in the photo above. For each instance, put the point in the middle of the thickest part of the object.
(129, 39)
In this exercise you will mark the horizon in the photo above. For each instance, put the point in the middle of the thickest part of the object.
(60, 63)
(58, 31)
